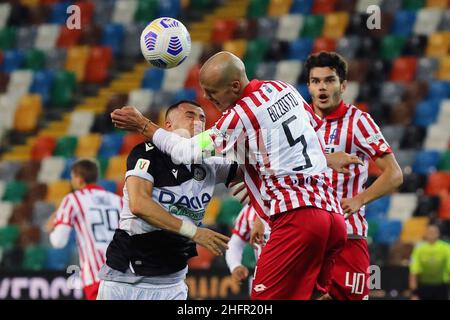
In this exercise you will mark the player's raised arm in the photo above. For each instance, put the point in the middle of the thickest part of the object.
(142, 205)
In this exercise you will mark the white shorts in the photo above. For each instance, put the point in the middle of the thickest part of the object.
(111, 290)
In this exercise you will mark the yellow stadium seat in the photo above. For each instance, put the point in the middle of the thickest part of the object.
(279, 7)
(438, 44)
(30, 3)
(117, 168)
(443, 4)
(444, 69)
(76, 60)
(236, 47)
(211, 212)
(88, 145)
(28, 110)
(57, 190)
(335, 25)
(414, 229)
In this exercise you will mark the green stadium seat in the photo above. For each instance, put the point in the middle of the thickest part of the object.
(413, 4)
(7, 38)
(62, 88)
(312, 27)
(103, 163)
(15, 191)
(391, 47)
(34, 59)
(444, 164)
(200, 4)
(34, 258)
(66, 146)
(146, 11)
(8, 236)
(257, 8)
(256, 50)
(228, 212)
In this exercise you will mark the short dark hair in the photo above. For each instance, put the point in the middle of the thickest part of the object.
(177, 104)
(327, 59)
(87, 169)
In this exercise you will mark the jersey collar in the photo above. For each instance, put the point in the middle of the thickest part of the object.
(251, 87)
(93, 187)
(337, 113)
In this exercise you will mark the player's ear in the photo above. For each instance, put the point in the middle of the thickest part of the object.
(236, 86)
(343, 85)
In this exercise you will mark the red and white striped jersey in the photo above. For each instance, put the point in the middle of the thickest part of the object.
(353, 131)
(94, 213)
(244, 223)
(271, 130)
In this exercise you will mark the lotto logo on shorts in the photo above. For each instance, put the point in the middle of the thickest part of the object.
(260, 287)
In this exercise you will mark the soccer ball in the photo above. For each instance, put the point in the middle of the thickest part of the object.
(165, 43)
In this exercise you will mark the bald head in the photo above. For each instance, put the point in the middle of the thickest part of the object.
(223, 73)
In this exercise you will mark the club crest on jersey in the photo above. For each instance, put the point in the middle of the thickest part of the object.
(142, 165)
(199, 173)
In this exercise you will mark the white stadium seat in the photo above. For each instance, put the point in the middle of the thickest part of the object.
(124, 11)
(47, 36)
(289, 27)
(402, 206)
(427, 21)
(81, 123)
(141, 99)
(288, 71)
(51, 169)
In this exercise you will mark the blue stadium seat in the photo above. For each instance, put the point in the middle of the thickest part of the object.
(111, 144)
(12, 60)
(169, 8)
(388, 231)
(113, 36)
(301, 6)
(438, 89)
(378, 209)
(153, 79)
(42, 84)
(426, 161)
(303, 89)
(404, 22)
(59, 259)
(58, 13)
(426, 112)
(67, 168)
(185, 94)
(300, 49)
(108, 185)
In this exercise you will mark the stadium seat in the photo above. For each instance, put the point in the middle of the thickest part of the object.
(66, 146)
(246, 29)
(279, 8)
(76, 60)
(426, 69)
(37, 191)
(51, 169)
(6, 209)
(413, 4)
(348, 46)
(426, 162)
(426, 113)
(444, 68)
(413, 182)
(57, 190)
(47, 36)
(12, 60)
(438, 182)
(29, 235)
(108, 185)
(303, 90)
(443, 4)
(445, 22)
(351, 93)
(169, 8)
(34, 258)
(152, 79)
(289, 27)
(116, 168)
(301, 6)
(28, 172)
(120, 186)
(393, 134)
(62, 88)
(391, 46)
(5, 9)
(403, 69)
(437, 137)
(237, 47)
(391, 6)
(223, 30)
(444, 164)
(427, 21)
(146, 11)
(25, 37)
(277, 51)
(7, 38)
(211, 212)
(8, 236)
(438, 44)
(388, 231)
(257, 8)
(323, 44)
(368, 48)
(80, 123)
(288, 71)
(2, 188)
(41, 212)
(415, 46)
(175, 78)
(15, 191)
(20, 82)
(267, 28)
(28, 111)
(378, 209)
(438, 89)
(141, 99)
(414, 229)
(402, 206)
(427, 206)
(34, 59)
(111, 144)
(88, 145)
(335, 25)
(413, 137)
(113, 37)
(68, 37)
(391, 92)
(130, 140)
(42, 83)
(266, 70)
(131, 41)
(98, 64)
(55, 59)
(229, 210)
(312, 27)
(300, 49)
(8, 170)
(124, 11)
(444, 207)
(57, 259)
(403, 22)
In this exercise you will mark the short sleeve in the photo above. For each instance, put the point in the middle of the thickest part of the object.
(369, 139)
(242, 226)
(66, 212)
(139, 162)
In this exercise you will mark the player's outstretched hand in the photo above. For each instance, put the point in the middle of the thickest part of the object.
(128, 118)
(339, 161)
(211, 240)
(239, 274)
